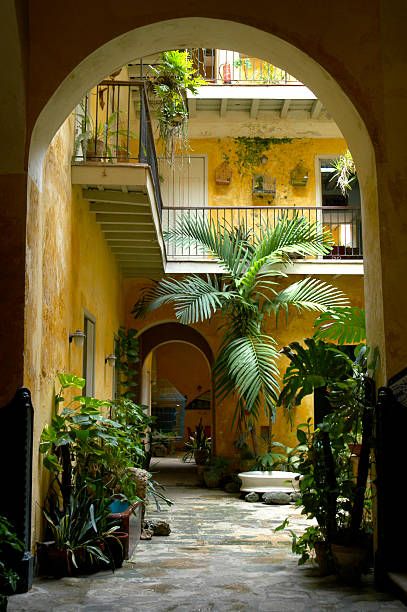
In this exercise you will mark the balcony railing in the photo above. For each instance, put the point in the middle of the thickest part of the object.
(343, 222)
(113, 125)
(223, 67)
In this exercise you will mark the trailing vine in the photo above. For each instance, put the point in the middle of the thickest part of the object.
(250, 149)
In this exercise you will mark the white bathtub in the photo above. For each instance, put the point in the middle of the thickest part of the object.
(267, 482)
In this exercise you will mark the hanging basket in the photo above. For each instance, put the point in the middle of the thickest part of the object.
(223, 174)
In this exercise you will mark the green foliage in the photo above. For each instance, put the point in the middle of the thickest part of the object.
(249, 151)
(345, 172)
(127, 354)
(106, 131)
(174, 76)
(81, 526)
(246, 295)
(81, 445)
(345, 325)
(198, 441)
(304, 545)
(314, 366)
(278, 456)
(10, 545)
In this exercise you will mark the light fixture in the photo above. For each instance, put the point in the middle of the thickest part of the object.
(78, 337)
(111, 360)
(264, 159)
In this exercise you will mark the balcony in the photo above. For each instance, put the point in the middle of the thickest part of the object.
(115, 164)
(222, 67)
(343, 222)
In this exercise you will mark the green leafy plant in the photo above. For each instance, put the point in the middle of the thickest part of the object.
(345, 172)
(80, 527)
(174, 76)
(127, 358)
(99, 140)
(246, 295)
(81, 445)
(345, 325)
(250, 149)
(10, 547)
(198, 442)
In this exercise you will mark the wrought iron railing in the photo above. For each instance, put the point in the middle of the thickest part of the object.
(223, 67)
(113, 125)
(343, 222)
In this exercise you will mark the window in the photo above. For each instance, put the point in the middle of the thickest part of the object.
(89, 354)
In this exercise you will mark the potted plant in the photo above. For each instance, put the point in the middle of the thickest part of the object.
(11, 549)
(330, 492)
(100, 140)
(78, 533)
(198, 446)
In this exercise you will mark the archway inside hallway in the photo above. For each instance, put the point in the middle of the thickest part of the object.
(176, 385)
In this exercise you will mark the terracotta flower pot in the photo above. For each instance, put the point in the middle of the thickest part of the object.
(201, 456)
(118, 547)
(350, 562)
(324, 558)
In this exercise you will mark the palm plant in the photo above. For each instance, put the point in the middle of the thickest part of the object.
(246, 295)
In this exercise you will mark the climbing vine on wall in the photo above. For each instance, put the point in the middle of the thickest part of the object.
(249, 151)
(127, 358)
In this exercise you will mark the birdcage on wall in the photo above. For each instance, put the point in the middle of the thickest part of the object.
(299, 175)
(223, 174)
(264, 185)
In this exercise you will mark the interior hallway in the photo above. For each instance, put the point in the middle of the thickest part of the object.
(222, 555)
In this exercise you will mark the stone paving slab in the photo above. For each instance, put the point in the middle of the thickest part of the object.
(222, 555)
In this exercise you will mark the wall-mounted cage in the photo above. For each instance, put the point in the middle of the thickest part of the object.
(299, 175)
(223, 174)
(264, 185)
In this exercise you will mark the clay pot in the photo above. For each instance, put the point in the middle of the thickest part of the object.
(118, 547)
(95, 150)
(201, 456)
(350, 562)
(324, 558)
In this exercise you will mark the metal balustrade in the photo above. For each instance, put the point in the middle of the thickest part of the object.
(343, 222)
(224, 67)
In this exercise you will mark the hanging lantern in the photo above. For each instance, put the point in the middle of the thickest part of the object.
(299, 175)
(223, 174)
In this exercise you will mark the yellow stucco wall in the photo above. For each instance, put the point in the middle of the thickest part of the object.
(71, 269)
(282, 158)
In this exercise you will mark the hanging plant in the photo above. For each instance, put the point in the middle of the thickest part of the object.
(345, 172)
(173, 78)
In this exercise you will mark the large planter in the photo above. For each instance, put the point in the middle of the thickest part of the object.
(324, 559)
(269, 481)
(350, 562)
(129, 521)
(201, 456)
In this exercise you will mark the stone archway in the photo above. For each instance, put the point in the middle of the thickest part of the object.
(204, 32)
(157, 336)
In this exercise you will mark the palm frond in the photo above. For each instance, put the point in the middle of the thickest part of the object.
(194, 298)
(311, 367)
(247, 366)
(345, 324)
(309, 294)
(294, 236)
(228, 245)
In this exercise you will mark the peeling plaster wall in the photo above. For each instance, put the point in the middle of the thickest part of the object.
(282, 158)
(69, 269)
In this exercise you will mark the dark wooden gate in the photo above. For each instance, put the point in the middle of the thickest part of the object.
(16, 441)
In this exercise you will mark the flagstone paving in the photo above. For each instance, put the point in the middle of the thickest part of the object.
(222, 554)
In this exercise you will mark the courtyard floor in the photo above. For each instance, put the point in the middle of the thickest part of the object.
(222, 555)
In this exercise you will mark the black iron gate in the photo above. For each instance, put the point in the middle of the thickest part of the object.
(16, 441)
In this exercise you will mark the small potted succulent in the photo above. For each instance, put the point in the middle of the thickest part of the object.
(198, 446)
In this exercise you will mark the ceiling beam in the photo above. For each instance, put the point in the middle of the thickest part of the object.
(285, 108)
(316, 109)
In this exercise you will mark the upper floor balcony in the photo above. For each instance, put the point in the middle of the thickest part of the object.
(136, 196)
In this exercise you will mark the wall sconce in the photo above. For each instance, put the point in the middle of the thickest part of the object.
(78, 337)
(111, 360)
